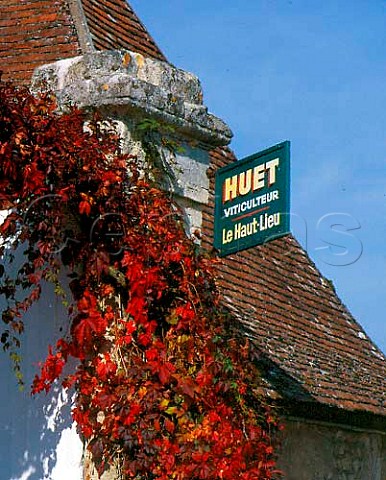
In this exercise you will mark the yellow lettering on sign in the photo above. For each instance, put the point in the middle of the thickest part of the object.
(258, 177)
(271, 169)
(253, 179)
(230, 188)
(245, 182)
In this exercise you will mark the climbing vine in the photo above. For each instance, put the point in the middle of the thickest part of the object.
(164, 383)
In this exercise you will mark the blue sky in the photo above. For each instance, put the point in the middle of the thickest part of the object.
(313, 73)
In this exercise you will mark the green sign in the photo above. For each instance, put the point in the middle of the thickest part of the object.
(252, 200)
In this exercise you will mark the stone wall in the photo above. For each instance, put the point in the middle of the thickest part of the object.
(321, 451)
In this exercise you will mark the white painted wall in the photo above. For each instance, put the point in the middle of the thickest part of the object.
(38, 440)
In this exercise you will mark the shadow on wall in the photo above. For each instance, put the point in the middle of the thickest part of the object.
(38, 440)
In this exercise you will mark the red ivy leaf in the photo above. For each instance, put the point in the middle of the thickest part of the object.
(50, 371)
(165, 371)
(169, 425)
(84, 207)
(93, 324)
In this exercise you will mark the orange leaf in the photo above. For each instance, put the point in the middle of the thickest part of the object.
(84, 207)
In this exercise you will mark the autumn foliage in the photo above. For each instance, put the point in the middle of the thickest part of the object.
(164, 384)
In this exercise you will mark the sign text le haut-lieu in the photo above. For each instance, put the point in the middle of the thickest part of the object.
(252, 200)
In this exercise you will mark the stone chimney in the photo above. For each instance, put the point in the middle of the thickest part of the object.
(128, 88)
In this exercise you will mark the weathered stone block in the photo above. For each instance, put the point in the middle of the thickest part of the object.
(146, 87)
(317, 451)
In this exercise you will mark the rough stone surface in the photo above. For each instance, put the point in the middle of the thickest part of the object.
(143, 86)
(127, 88)
(90, 472)
(191, 180)
(312, 451)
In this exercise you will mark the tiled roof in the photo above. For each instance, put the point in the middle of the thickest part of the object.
(35, 32)
(309, 345)
(32, 33)
(113, 25)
